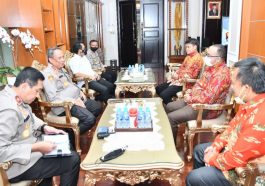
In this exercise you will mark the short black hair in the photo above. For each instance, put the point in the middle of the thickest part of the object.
(50, 52)
(77, 46)
(221, 51)
(92, 41)
(29, 75)
(193, 41)
(252, 72)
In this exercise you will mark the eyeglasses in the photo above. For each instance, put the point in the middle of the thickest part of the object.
(210, 55)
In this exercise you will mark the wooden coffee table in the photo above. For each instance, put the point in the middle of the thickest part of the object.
(134, 167)
(136, 85)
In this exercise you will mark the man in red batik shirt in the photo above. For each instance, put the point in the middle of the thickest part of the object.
(211, 88)
(243, 140)
(190, 68)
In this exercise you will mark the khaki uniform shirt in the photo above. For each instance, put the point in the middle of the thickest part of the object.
(58, 87)
(94, 59)
(17, 125)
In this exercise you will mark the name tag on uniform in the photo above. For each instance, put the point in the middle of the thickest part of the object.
(27, 118)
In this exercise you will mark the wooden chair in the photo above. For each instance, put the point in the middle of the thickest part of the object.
(64, 122)
(4, 180)
(190, 81)
(205, 125)
(253, 173)
(172, 67)
(88, 92)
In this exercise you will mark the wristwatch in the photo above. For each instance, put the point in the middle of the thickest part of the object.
(42, 128)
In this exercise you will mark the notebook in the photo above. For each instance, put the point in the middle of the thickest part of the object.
(62, 145)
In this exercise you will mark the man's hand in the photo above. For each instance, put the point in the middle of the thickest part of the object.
(174, 76)
(82, 95)
(208, 153)
(43, 147)
(169, 80)
(98, 77)
(187, 97)
(79, 103)
(51, 130)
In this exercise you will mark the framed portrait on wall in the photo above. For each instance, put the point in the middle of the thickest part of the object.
(214, 10)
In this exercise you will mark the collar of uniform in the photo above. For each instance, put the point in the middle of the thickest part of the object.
(18, 99)
(52, 69)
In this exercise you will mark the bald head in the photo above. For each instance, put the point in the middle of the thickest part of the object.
(219, 51)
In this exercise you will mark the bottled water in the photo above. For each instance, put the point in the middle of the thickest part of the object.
(141, 118)
(119, 117)
(148, 117)
(126, 118)
(130, 69)
(141, 68)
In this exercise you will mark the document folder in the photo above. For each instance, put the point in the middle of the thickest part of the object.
(62, 145)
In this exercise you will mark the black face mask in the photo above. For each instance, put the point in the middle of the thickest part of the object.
(94, 49)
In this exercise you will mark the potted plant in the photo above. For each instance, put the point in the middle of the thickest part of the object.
(8, 74)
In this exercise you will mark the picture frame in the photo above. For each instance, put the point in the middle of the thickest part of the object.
(214, 10)
(177, 27)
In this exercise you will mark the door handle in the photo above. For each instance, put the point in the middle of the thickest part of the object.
(142, 31)
(134, 38)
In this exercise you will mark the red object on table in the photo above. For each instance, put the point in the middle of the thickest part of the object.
(133, 112)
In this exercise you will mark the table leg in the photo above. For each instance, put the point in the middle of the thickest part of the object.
(117, 92)
(89, 180)
(174, 177)
(153, 91)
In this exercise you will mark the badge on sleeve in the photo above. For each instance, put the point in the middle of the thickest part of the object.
(50, 77)
(65, 83)
(26, 131)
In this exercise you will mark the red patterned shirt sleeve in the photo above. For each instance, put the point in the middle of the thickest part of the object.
(192, 67)
(212, 87)
(246, 139)
(249, 145)
(222, 139)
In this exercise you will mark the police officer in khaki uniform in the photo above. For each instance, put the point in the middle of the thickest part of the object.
(20, 134)
(58, 86)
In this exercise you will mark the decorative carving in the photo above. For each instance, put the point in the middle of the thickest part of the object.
(133, 177)
(135, 88)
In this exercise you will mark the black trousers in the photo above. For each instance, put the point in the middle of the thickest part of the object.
(45, 168)
(166, 92)
(202, 175)
(105, 89)
(109, 75)
(87, 116)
